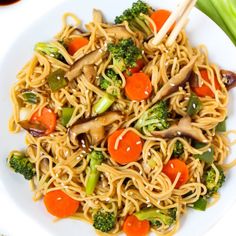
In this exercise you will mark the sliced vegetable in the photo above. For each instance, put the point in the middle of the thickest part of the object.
(66, 114)
(135, 227)
(29, 96)
(49, 49)
(221, 127)
(172, 168)
(60, 204)
(103, 104)
(138, 86)
(35, 129)
(160, 17)
(139, 65)
(200, 204)
(76, 43)
(194, 105)
(207, 156)
(129, 147)
(229, 78)
(46, 118)
(96, 158)
(203, 90)
(57, 80)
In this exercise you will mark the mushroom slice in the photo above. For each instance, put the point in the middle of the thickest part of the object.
(97, 16)
(183, 128)
(94, 127)
(89, 59)
(90, 72)
(35, 129)
(118, 32)
(176, 81)
(229, 78)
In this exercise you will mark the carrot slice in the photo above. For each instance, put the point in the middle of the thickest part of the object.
(129, 148)
(138, 86)
(75, 44)
(173, 167)
(60, 204)
(160, 17)
(204, 90)
(135, 227)
(46, 118)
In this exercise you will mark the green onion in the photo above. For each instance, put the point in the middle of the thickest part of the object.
(222, 12)
(200, 204)
(103, 104)
(221, 127)
(29, 97)
(207, 156)
(66, 114)
(57, 80)
(194, 105)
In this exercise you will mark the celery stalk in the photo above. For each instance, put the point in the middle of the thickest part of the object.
(215, 9)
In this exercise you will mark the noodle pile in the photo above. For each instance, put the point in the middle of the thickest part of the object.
(128, 188)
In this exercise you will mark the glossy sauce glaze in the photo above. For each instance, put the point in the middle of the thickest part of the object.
(7, 2)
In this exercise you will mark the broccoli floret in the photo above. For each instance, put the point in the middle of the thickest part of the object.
(104, 221)
(155, 215)
(178, 149)
(209, 180)
(111, 74)
(21, 164)
(125, 54)
(155, 223)
(49, 49)
(135, 20)
(155, 118)
(96, 158)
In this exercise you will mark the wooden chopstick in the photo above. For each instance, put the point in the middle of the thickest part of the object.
(180, 16)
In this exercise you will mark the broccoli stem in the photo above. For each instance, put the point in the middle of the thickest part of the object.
(143, 26)
(96, 158)
(103, 104)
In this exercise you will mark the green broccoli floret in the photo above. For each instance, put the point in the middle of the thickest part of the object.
(104, 221)
(209, 180)
(135, 20)
(21, 164)
(158, 216)
(49, 49)
(111, 74)
(155, 118)
(178, 149)
(125, 54)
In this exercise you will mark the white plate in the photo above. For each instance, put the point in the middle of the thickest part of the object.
(200, 30)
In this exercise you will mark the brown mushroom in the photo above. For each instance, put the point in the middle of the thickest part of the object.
(89, 59)
(229, 78)
(183, 128)
(94, 127)
(176, 81)
(90, 72)
(118, 32)
(97, 16)
(35, 129)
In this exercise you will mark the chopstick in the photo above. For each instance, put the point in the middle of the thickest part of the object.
(180, 16)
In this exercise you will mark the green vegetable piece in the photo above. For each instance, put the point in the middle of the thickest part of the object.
(166, 216)
(135, 20)
(21, 164)
(200, 204)
(178, 149)
(66, 115)
(194, 105)
(57, 80)
(49, 49)
(104, 221)
(96, 158)
(221, 127)
(207, 156)
(125, 54)
(155, 118)
(103, 104)
(29, 97)
(209, 180)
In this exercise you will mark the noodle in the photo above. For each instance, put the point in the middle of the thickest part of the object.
(122, 189)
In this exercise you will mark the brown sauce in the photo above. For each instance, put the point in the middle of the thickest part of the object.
(7, 2)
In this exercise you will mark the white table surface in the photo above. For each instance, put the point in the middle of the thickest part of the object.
(13, 20)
